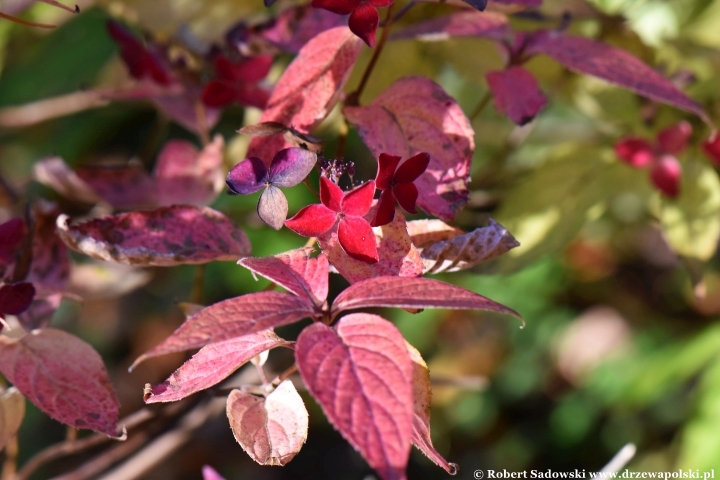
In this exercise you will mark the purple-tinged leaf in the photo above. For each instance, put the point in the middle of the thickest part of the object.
(16, 298)
(12, 413)
(453, 250)
(233, 318)
(416, 115)
(186, 176)
(209, 473)
(516, 93)
(11, 234)
(361, 374)
(294, 270)
(290, 166)
(468, 23)
(248, 176)
(309, 88)
(271, 430)
(124, 187)
(213, 364)
(50, 266)
(64, 377)
(584, 55)
(54, 173)
(164, 237)
(296, 26)
(272, 207)
(421, 412)
(404, 292)
(396, 253)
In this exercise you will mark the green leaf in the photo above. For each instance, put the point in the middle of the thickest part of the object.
(692, 223)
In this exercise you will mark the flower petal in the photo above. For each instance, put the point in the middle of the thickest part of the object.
(341, 7)
(248, 176)
(217, 94)
(636, 152)
(385, 209)
(290, 166)
(412, 168)
(330, 194)
(273, 207)
(140, 61)
(407, 194)
(357, 239)
(312, 220)
(358, 200)
(387, 164)
(249, 70)
(364, 22)
(665, 175)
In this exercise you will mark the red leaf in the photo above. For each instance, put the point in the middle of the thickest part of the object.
(213, 364)
(665, 175)
(674, 139)
(141, 62)
(271, 430)
(404, 292)
(50, 266)
(516, 93)
(361, 374)
(16, 298)
(233, 318)
(294, 270)
(41, 310)
(416, 115)
(309, 88)
(186, 176)
(64, 377)
(614, 65)
(468, 23)
(396, 253)
(421, 412)
(164, 237)
(124, 187)
(11, 234)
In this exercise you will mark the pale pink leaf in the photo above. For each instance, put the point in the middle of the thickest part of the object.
(309, 88)
(213, 364)
(209, 473)
(186, 176)
(416, 115)
(164, 237)
(55, 173)
(64, 377)
(233, 318)
(459, 250)
(468, 23)
(397, 255)
(12, 413)
(294, 270)
(361, 374)
(428, 231)
(516, 93)
(584, 55)
(271, 430)
(413, 293)
(124, 187)
(421, 412)
(296, 26)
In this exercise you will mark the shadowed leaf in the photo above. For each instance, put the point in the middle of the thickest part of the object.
(416, 115)
(271, 430)
(516, 94)
(164, 237)
(407, 292)
(213, 364)
(462, 24)
(54, 173)
(361, 374)
(233, 318)
(64, 377)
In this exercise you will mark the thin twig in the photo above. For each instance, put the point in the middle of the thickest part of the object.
(342, 139)
(201, 115)
(284, 375)
(404, 10)
(314, 192)
(618, 461)
(354, 98)
(481, 105)
(25, 22)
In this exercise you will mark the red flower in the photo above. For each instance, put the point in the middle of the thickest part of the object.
(711, 147)
(397, 183)
(354, 232)
(665, 169)
(236, 82)
(141, 62)
(364, 18)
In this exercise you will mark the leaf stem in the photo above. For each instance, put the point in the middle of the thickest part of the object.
(285, 375)
(481, 105)
(198, 290)
(25, 22)
(12, 449)
(354, 98)
(201, 115)
(404, 10)
(314, 192)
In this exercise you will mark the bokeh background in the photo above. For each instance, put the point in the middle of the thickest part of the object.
(619, 287)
